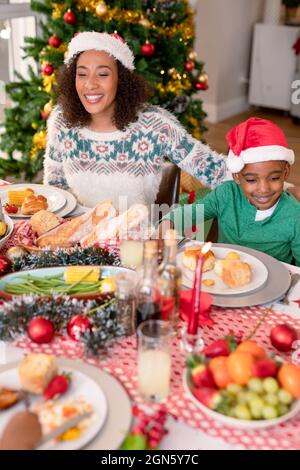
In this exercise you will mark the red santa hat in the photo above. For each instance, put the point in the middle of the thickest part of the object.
(256, 140)
(113, 44)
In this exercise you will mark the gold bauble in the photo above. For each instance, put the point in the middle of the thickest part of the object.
(144, 22)
(48, 107)
(101, 9)
(203, 77)
(16, 252)
(39, 139)
(34, 125)
(172, 71)
(192, 55)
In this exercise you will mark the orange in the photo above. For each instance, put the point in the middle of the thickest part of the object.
(289, 378)
(218, 368)
(239, 366)
(253, 348)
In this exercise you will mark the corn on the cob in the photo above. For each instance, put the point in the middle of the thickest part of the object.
(85, 273)
(108, 285)
(17, 197)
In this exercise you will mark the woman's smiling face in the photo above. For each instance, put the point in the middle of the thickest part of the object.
(97, 82)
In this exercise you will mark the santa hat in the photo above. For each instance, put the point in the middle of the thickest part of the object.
(256, 140)
(113, 44)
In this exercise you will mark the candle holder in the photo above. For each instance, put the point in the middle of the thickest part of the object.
(191, 343)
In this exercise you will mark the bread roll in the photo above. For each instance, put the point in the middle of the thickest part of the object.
(232, 255)
(33, 204)
(191, 254)
(36, 371)
(43, 221)
(236, 273)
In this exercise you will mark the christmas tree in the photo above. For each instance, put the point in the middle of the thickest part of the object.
(161, 35)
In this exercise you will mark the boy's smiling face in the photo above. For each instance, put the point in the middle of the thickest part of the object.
(262, 183)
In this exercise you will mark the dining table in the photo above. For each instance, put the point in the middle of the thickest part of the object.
(189, 428)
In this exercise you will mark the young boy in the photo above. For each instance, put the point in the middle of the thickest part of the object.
(252, 210)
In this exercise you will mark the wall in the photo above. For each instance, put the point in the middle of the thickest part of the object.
(223, 41)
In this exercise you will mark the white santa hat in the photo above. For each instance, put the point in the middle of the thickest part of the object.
(113, 44)
(256, 140)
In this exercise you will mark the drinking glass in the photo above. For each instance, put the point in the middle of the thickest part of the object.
(154, 359)
(131, 253)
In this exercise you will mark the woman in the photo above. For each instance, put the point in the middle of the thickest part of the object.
(104, 141)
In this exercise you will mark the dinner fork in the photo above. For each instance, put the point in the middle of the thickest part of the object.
(294, 279)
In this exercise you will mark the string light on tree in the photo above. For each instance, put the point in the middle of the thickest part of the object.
(101, 9)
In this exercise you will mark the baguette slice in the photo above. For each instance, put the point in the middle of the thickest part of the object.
(71, 232)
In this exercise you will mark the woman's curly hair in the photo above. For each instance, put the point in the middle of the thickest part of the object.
(132, 95)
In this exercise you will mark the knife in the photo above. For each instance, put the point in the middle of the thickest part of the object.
(71, 423)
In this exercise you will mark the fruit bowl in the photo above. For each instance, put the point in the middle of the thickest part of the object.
(235, 422)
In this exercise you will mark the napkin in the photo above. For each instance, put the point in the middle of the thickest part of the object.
(185, 307)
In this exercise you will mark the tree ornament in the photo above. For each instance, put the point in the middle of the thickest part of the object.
(189, 65)
(47, 69)
(144, 22)
(48, 107)
(41, 330)
(201, 86)
(147, 49)
(192, 55)
(78, 325)
(15, 252)
(4, 264)
(70, 17)
(101, 9)
(54, 41)
(203, 77)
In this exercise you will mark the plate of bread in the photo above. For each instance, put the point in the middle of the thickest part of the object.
(24, 200)
(36, 375)
(225, 271)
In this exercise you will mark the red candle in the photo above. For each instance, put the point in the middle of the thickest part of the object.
(196, 293)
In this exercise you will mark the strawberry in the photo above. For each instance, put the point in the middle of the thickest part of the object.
(11, 208)
(210, 397)
(264, 368)
(202, 377)
(220, 347)
(57, 386)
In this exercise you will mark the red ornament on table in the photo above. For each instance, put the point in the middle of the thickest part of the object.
(77, 326)
(70, 17)
(201, 86)
(54, 41)
(4, 264)
(40, 330)
(147, 49)
(189, 66)
(282, 337)
(197, 287)
(47, 69)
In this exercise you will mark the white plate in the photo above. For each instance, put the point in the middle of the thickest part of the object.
(82, 386)
(259, 273)
(55, 199)
(9, 231)
(240, 423)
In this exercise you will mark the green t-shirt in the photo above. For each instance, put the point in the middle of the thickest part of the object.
(278, 235)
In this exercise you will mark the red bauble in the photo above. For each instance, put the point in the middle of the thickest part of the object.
(189, 66)
(77, 326)
(48, 69)
(70, 17)
(147, 49)
(40, 330)
(201, 86)
(282, 337)
(4, 264)
(54, 41)
(44, 115)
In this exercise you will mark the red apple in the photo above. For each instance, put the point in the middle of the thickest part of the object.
(264, 368)
(210, 397)
(202, 377)
(282, 337)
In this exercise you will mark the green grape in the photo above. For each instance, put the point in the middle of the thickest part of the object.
(270, 385)
(242, 412)
(269, 412)
(284, 396)
(242, 398)
(282, 409)
(255, 385)
(256, 407)
(271, 399)
(234, 389)
(250, 396)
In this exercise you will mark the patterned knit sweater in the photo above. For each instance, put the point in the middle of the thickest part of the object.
(95, 166)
